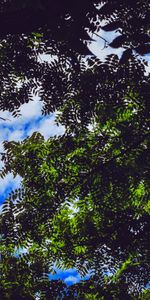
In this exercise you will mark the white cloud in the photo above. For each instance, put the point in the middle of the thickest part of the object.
(47, 127)
(7, 184)
(16, 135)
(31, 109)
(72, 279)
(27, 111)
(30, 120)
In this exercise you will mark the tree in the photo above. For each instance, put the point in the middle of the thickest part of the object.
(83, 201)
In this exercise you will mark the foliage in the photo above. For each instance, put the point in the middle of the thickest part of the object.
(29, 30)
(84, 200)
(84, 197)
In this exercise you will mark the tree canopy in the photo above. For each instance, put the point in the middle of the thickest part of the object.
(32, 28)
(84, 196)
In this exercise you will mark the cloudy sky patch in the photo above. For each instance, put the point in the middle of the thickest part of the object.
(70, 276)
(17, 129)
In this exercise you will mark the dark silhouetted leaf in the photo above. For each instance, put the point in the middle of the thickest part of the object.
(125, 56)
(118, 41)
(111, 26)
(143, 49)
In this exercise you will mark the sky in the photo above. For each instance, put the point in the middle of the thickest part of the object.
(70, 276)
(31, 120)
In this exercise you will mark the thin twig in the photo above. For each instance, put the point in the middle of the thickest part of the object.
(4, 119)
(106, 42)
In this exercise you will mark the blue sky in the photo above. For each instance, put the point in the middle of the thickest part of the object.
(31, 120)
(70, 276)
